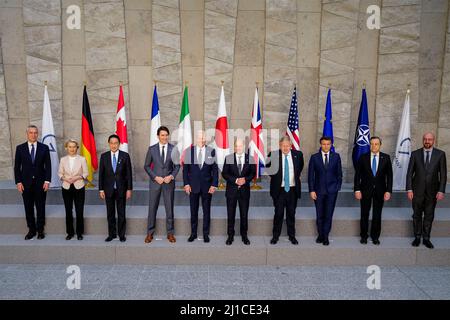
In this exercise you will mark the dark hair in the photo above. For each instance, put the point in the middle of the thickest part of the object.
(376, 137)
(113, 136)
(326, 138)
(163, 128)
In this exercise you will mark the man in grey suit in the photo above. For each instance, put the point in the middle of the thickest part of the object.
(162, 171)
(425, 182)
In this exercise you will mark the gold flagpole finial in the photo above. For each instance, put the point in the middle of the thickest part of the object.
(364, 84)
(409, 88)
(85, 82)
(222, 82)
(45, 82)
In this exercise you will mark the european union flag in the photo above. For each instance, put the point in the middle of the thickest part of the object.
(328, 124)
(361, 144)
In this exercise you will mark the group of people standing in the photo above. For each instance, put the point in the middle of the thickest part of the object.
(425, 185)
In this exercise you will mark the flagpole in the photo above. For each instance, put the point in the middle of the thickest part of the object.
(221, 181)
(256, 186)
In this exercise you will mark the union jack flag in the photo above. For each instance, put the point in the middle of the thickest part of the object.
(292, 125)
(256, 147)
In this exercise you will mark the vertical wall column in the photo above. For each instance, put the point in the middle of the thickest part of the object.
(138, 25)
(42, 29)
(6, 163)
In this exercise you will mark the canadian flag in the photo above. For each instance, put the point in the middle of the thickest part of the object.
(121, 123)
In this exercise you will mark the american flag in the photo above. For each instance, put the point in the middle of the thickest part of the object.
(292, 125)
(256, 148)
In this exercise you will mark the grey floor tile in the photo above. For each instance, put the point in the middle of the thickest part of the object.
(85, 292)
(190, 292)
(226, 292)
(116, 292)
(160, 268)
(259, 278)
(429, 279)
(438, 293)
(130, 278)
(193, 268)
(153, 292)
(157, 278)
(262, 292)
(191, 278)
(225, 278)
(290, 292)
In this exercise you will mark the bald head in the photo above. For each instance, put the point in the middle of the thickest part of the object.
(428, 140)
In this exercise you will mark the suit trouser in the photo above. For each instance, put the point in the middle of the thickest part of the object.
(423, 216)
(325, 204)
(34, 196)
(74, 196)
(194, 199)
(116, 201)
(286, 200)
(366, 204)
(168, 192)
(232, 202)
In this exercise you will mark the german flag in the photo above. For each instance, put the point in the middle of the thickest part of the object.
(88, 149)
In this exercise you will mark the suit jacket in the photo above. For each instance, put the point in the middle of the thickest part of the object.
(79, 169)
(324, 181)
(156, 167)
(25, 170)
(123, 176)
(202, 179)
(276, 177)
(432, 180)
(230, 173)
(367, 183)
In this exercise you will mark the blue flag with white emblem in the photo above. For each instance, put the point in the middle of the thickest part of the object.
(328, 124)
(361, 144)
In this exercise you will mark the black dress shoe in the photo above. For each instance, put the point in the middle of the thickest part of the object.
(326, 242)
(41, 235)
(363, 241)
(109, 239)
(416, 242)
(376, 242)
(229, 240)
(69, 236)
(80, 237)
(30, 235)
(319, 239)
(206, 238)
(293, 240)
(245, 241)
(274, 240)
(192, 237)
(428, 244)
(123, 239)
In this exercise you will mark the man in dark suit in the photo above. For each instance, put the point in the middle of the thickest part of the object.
(115, 182)
(201, 179)
(324, 181)
(33, 172)
(373, 183)
(285, 167)
(161, 164)
(425, 182)
(238, 171)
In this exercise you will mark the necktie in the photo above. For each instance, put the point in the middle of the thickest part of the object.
(326, 161)
(240, 164)
(286, 174)
(374, 165)
(32, 153)
(427, 161)
(114, 162)
(163, 154)
(200, 158)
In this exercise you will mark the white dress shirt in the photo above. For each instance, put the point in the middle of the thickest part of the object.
(377, 159)
(165, 150)
(323, 156)
(240, 159)
(291, 169)
(72, 162)
(35, 147)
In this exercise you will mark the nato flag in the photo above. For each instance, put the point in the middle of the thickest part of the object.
(361, 144)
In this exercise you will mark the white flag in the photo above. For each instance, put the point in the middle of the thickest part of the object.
(403, 149)
(48, 138)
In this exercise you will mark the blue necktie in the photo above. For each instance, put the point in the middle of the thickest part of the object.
(374, 165)
(114, 163)
(32, 154)
(286, 174)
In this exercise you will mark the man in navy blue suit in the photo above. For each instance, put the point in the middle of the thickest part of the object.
(324, 180)
(201, 178)
(285, 167)
(33, 173)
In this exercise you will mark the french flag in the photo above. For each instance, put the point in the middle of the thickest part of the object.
(155, 121)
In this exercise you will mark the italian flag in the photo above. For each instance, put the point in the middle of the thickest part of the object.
(184, 128)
